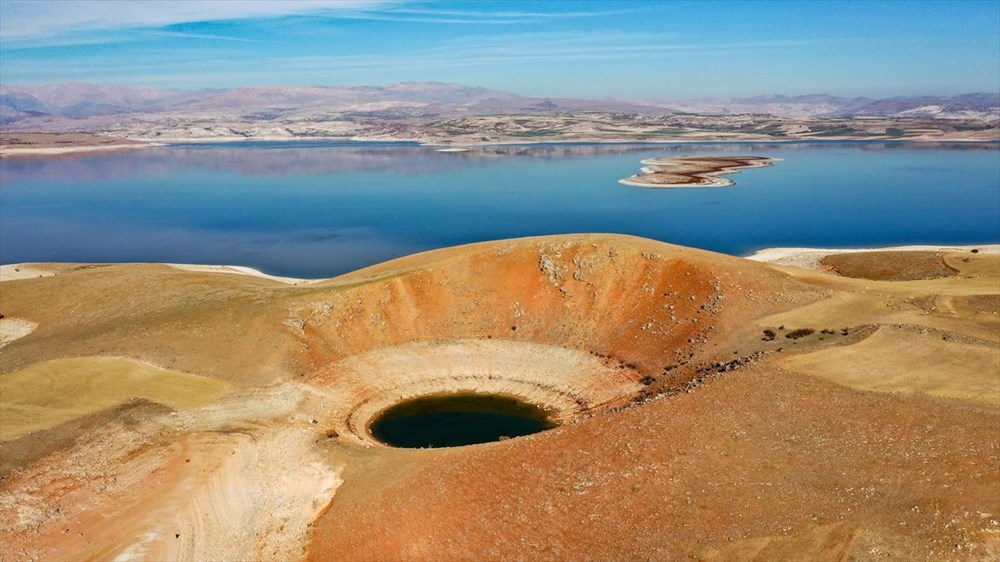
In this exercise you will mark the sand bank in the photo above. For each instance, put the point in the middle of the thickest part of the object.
(810, 258)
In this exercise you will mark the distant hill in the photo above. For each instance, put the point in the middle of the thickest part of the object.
(433, 99)
(446, 113)
(396, 101)
(984, 106)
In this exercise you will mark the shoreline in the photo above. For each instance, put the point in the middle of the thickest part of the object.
(131, 143)
(13, 145)
(241, 270)
(803, 258)
(56, 151)
(467, 146)
(34, 270)
(825, 140)
(809, 258)
(25, 270)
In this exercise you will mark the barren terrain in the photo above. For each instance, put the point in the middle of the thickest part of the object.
(711, 408)
(49, 144)
(454, 114)
(507, 128)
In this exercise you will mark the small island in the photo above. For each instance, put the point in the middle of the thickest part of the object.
(693, 171)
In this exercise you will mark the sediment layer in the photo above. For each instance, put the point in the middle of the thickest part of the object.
(693, 171)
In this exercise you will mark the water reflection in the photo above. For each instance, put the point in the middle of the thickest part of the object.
(318, 209)
(293, 158)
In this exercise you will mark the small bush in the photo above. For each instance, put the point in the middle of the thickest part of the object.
(800, 333)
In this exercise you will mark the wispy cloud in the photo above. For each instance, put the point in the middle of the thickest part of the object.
(570, 46)
(206, 36)
(530, 49)
(32, 19)
(62, 22)
(471, 17)
(510, 14)
(481, 51)
(27, 23)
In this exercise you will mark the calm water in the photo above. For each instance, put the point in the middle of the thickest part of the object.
(319, 209)
(457, 419)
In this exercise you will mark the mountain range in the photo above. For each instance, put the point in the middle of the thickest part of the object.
(24, 107)
(984, 106)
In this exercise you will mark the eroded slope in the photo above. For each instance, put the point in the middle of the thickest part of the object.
(682, 436)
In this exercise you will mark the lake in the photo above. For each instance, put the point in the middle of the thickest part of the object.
(317, 209)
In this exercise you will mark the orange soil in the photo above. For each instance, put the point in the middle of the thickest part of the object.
(755, 462)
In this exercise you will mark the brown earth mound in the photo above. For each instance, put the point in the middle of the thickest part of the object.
(681, 436)
(889, 266)
(572, 323)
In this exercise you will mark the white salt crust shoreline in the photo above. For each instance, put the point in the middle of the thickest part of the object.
(809, 258)
(805, 258)
(18, 271)
(56, 150)
(240, 270)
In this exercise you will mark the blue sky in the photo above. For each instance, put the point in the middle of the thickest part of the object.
(642, 49)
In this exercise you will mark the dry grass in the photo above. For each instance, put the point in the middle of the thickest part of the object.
(889, 266)
(47, 394)
(898, 360)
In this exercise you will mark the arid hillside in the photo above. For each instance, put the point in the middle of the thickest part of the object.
(453, 114)
(709, 407)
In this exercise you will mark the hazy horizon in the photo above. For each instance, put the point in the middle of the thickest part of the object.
(772, 95)
(623, 50)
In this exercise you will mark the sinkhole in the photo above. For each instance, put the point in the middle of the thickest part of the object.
(454, 420)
